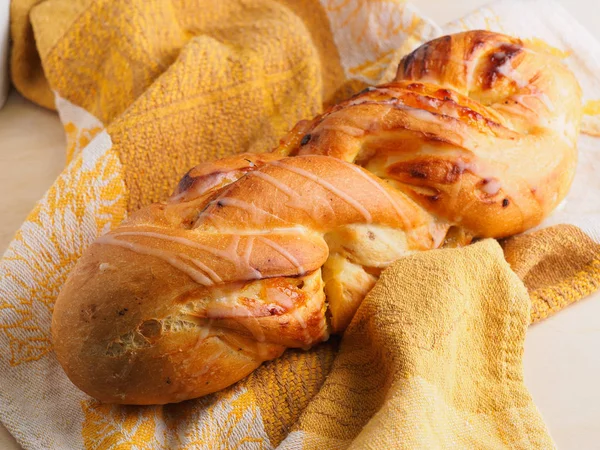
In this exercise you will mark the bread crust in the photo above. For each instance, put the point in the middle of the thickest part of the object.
(476, 137)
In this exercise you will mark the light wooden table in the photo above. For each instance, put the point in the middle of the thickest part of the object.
(562, 363)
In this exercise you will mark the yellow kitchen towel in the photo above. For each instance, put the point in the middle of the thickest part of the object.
(431, 360)
(148, 88)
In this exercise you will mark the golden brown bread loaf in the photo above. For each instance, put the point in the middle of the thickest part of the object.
(476, 137)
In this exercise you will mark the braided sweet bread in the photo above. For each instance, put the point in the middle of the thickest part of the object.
(476, 137)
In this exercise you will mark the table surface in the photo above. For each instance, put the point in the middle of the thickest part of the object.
(561, 363)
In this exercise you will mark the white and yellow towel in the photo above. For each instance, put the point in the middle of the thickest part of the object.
(148, 88)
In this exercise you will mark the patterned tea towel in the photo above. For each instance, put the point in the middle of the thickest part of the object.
(145, 90)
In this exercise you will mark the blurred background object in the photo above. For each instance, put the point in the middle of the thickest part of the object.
(4, 37)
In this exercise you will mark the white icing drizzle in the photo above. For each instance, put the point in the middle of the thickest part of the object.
(443, 111)
(208, 364)
(204, 333)
(394, 249)
(242, 263)
(280, 298)
(491, 187)
(438, 232)
(203, 267)
(193, 194)
(216, 311)
(383, 191)
(230, 254)
(546, 101)
(179, 240)
(539, 96)
(425, 116)
(346, 129)
(287, 255)
(168, 257)
(470, 66)
(523, 100)
(392, 93)
(359, 101)
(219, 309)
(211, 217)
(509, 72)
(363, 100)
(295, 200)
(516, 109)
(298, 316)
(248, 251)
(330, 187)
(262, 350)
(216, 220)
(249, 207)
(297, 229)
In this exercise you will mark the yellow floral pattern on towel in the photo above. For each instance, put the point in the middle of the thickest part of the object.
(111, 427)
(368, 52)
(78, 138)
(87, 199)
(226, 420)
